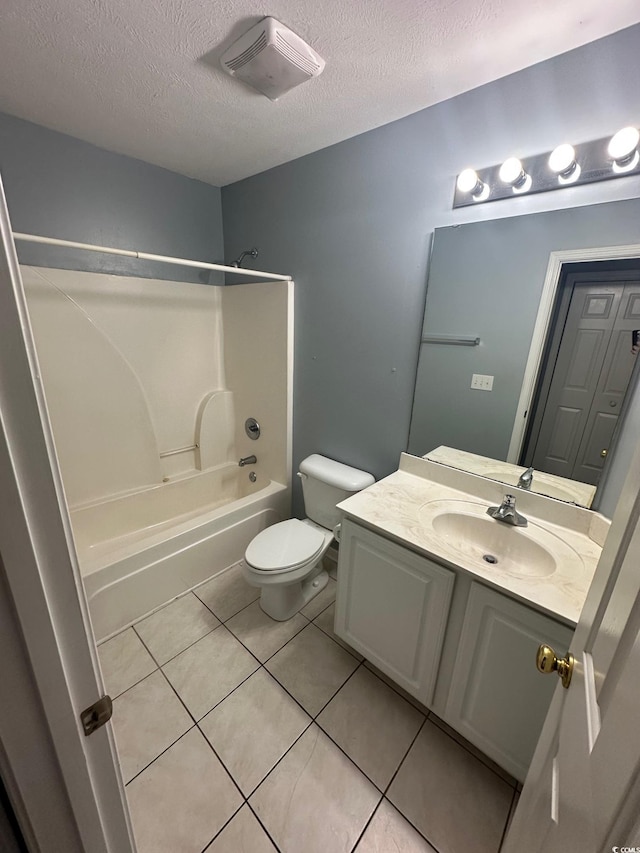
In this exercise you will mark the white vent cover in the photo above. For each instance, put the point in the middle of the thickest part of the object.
(272, 59)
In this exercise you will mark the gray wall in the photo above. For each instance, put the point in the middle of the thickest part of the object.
(353, 223)
(58, 186)
(486, 279)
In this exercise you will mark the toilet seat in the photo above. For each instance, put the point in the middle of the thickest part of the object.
(285, 546)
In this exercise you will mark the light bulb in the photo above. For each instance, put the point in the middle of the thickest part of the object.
(512, 172)
(469, 182)
(623, 149)
(562, 161)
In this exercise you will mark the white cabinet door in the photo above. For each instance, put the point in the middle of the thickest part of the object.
(497, 699)
(392, 606)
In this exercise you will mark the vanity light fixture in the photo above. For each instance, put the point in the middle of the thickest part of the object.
(623, 149)
(469, 182)
(616, 156)
(512, 173)
(563, 163)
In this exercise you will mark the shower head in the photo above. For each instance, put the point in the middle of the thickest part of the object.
(251, 252)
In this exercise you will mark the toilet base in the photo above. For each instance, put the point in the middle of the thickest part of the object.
(282, 602)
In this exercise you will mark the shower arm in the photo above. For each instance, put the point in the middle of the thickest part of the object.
(253, 253)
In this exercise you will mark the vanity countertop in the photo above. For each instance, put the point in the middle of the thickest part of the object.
(394, 507)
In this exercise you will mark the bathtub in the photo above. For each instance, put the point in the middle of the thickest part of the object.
(139, 550)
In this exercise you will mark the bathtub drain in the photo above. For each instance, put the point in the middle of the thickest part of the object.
(489, 558)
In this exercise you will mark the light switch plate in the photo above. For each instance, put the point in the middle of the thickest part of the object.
(480, 382)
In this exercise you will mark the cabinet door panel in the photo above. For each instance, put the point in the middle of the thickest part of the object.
(498, 700)
(392, 607)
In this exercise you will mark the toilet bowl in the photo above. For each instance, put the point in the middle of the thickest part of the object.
(285, 560)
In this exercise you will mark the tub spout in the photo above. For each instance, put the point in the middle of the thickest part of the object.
(247, 460)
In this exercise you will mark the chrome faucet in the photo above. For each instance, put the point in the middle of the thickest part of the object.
(506, 512)
(526, 479)
(247, 460)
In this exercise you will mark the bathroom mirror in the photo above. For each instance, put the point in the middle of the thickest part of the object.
(488, 295)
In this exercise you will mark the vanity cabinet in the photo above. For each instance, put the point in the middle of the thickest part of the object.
(497, 699)
(392, 607)
(456, 644)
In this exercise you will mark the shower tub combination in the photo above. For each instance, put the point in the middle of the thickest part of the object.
(140, 550)
(148, 386)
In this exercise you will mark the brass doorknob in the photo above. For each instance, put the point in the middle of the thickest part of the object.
(603, 453)
(547, 661)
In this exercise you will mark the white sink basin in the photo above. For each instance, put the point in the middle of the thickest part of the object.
(465, 530)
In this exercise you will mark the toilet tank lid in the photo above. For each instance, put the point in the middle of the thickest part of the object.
(335, 473)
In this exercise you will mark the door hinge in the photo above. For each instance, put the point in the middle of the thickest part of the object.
(96, 715)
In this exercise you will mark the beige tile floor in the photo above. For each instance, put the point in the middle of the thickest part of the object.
(237, 734)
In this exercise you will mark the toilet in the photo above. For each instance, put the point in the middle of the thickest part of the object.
(285, 560)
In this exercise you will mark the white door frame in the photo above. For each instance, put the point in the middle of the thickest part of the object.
(57, 673)
(543, 322)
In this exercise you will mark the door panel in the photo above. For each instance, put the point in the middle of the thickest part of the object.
(610, 390)
(584, 344)
(590, 379)
(562, 438)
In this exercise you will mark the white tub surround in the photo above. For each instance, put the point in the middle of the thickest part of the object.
(396, 505)
(148, 386)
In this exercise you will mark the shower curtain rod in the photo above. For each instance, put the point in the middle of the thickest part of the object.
(146, 256)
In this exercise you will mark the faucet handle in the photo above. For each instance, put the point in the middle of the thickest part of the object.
(509, 500)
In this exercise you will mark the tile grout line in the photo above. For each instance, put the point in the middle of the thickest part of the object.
(222, 621)
(386, 790)
(286, 643)
(222, 828)
(286, 689)
(135, 684)
(403, 759)
(167, 680)
(423, 708)
(173, 657)
(257, 817)
(482, 760)
(166, 749)
(271, 769)
(144, 616)
(312, 721)
(160, 667)
(366, 826)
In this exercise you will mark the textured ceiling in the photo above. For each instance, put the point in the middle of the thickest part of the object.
(142, 77)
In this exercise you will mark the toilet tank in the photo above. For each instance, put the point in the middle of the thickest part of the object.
(325, 483)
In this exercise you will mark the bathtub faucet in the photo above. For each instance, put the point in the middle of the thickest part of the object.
(247, 460)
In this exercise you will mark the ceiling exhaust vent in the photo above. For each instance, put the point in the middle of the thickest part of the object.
(272, 59)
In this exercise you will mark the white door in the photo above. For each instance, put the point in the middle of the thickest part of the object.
(42, 577)
(583, 788)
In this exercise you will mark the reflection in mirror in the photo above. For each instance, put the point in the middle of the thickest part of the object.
(516, 476)
(518, 284)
